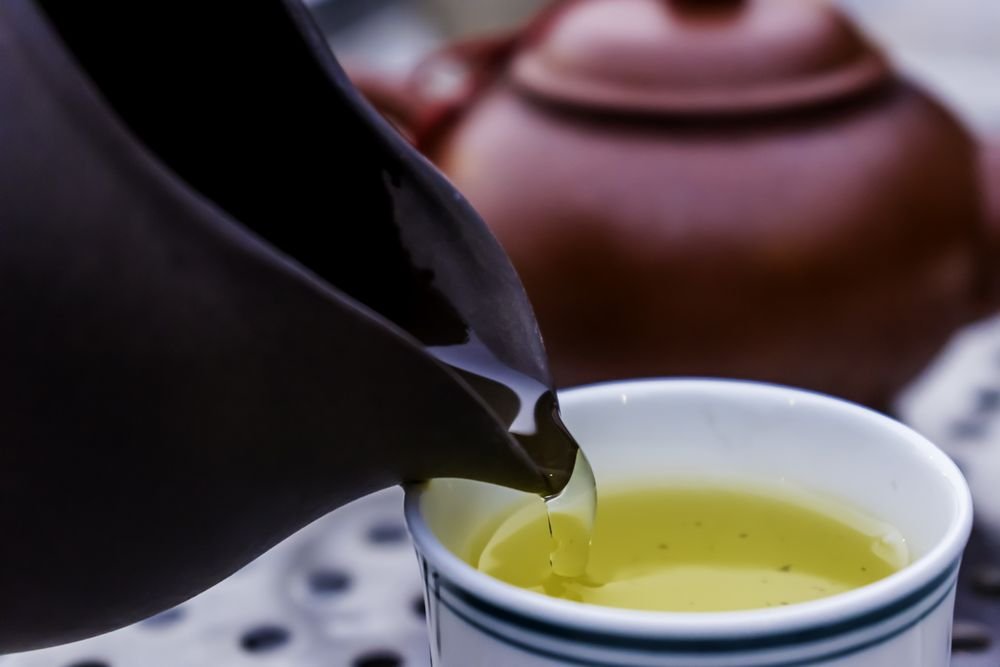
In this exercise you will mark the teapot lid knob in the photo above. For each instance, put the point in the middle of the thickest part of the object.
(703, 3)
(696, 56)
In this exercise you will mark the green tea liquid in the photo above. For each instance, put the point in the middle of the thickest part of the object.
(693, 548)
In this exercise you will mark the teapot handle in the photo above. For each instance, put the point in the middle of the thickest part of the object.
(440, 87)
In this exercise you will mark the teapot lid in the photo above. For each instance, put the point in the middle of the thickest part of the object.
(696, 56)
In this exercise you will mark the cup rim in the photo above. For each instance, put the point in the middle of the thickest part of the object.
(850, 608)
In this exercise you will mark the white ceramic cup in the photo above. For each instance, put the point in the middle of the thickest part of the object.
(715, 431)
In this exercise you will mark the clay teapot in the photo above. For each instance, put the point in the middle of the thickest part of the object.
(732, 187)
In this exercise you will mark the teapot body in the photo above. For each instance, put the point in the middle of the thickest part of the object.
(832, 247)
(206, 351)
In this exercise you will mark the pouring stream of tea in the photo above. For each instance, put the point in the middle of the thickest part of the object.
(572, 510)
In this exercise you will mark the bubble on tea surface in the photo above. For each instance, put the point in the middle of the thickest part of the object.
(891, 547)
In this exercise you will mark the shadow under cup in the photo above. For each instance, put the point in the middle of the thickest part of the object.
(655, 431)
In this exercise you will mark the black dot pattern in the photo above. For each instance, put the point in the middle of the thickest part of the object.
(970, 636)
(967, 429)
(329, 582)
(265, 639)
(379, 659)
(986, 581)
(387, 533)
(988, 400)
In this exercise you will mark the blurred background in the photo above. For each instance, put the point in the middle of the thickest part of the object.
(950, 46)
(815, 244)
(346, 593)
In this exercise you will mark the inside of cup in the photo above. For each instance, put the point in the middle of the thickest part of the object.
(726, 433)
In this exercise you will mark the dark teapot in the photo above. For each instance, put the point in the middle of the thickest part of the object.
(737, 187)
(233, 300)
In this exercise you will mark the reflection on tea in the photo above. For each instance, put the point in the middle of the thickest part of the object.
(697, 548)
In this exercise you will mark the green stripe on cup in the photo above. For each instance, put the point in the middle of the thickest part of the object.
(695, 646)
(708, 646)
